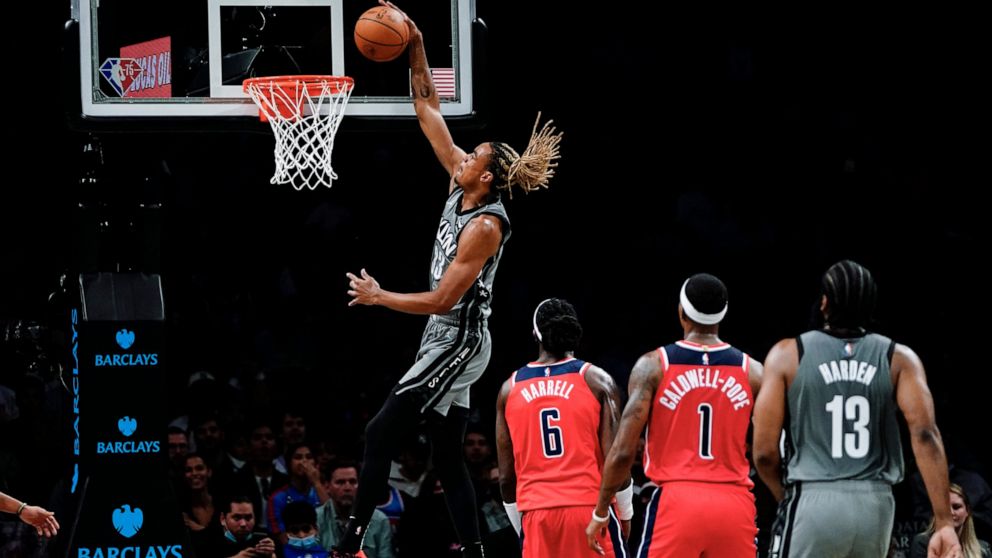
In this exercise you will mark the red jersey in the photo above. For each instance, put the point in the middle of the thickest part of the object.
(699, 417)
(553, 418)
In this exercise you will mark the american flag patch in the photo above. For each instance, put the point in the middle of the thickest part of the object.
(444, 81)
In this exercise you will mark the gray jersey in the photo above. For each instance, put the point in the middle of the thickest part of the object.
(842, 411)
(476, 300)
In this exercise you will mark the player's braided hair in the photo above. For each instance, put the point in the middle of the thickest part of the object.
(851, 293)
(559, 326)
(534, 168)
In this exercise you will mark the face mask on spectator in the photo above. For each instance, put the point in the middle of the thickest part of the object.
(305, 542)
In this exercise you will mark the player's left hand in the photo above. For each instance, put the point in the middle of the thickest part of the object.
(41, 519)
(363, 290)
(595, 531)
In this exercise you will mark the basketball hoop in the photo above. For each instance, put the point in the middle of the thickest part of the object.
(304, 112)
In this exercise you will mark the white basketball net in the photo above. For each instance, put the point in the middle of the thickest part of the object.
(304, 124)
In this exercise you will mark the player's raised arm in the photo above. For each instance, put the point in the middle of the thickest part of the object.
(426, 101)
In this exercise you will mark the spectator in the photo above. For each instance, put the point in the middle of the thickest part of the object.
(238, 537)
(964, 526)
(258, 479)
(302, 533)
(304, 486)
(340, 479)
(198, 512)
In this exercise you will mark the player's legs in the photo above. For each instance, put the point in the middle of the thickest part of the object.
(834, 519)
(698, 519)
(447, 435)
(562, 532)
(394, 423)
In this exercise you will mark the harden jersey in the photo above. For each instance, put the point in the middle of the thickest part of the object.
(553, 418)
(700, 415)
(842, 411)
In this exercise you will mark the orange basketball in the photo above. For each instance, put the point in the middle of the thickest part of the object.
(381, 34)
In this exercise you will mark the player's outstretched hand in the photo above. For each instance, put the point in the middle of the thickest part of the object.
(363, 290)
(406, 18)
(41, 519)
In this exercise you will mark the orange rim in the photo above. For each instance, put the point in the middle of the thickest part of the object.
(314, 84)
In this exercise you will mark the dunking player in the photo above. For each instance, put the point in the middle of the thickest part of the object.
(455, 346)
(555, 421)
(839, 387)
(696, 397)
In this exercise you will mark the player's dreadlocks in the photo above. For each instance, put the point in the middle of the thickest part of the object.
(534, 168)
(851, 293)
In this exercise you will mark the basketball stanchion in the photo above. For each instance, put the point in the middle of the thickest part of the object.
(304, 113)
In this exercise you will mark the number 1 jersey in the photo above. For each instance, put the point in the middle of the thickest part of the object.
(697, 430)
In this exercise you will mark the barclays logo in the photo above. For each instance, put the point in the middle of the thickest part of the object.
(127, 425)
(125, 338)
(128, 522)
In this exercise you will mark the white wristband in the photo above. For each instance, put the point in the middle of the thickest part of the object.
(598, 518)
(514, 515)
(625, 503)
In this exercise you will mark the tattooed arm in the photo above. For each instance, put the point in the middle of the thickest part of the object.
(426, 101)
(643, 384)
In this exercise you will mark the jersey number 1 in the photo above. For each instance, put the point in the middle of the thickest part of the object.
(705, 431)
(551, 434)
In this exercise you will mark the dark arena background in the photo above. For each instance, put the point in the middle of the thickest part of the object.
(758, 147)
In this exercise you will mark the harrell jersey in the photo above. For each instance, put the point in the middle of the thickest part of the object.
(553, 418)
(842, 411)
(700, 415)
(478, 298)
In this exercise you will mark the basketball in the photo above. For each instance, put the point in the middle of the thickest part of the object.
(381, 34)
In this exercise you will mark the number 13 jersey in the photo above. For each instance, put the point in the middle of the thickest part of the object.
(841, 416)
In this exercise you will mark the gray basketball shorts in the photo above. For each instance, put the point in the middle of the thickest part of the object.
(834, 519)
(450, 360)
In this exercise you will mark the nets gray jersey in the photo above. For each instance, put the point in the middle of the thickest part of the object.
(842, 411)
(475, 302)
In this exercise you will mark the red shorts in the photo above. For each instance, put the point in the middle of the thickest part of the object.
(562, 532)
(690, 519)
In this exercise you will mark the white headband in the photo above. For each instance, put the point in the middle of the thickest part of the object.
(537, 332)
(696, 315)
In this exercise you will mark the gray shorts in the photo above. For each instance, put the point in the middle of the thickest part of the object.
(849, 519)
(450, 360)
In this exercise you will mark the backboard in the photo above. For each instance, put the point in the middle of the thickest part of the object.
(162, 58)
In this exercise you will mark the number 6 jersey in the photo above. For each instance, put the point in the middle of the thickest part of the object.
(553, 418)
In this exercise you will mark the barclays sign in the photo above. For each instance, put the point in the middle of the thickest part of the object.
(127, 426)
(128, 521)
(125, 339)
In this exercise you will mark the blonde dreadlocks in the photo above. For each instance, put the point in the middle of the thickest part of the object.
(534, 168)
